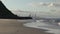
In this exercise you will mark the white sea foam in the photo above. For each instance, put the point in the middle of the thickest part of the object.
(44, 25)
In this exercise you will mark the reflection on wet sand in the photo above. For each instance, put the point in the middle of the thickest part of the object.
(10, 26)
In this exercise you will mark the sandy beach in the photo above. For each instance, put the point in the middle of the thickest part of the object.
(11, 26)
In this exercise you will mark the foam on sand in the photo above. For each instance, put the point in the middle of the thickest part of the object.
(44, 25)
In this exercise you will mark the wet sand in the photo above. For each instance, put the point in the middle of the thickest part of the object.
(10, 26)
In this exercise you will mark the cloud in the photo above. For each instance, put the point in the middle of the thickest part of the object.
(43, 4)
(57, 0)
(39, 4)
(57, 5)
(51, 5)
(54, 5)
(34, 4)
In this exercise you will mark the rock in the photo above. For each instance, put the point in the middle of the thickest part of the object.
(7, 14)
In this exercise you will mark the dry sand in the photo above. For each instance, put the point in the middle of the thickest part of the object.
(10, 26)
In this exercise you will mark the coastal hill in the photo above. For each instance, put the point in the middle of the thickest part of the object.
(7, 14)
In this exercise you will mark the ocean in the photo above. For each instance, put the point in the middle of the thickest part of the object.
(50, 27)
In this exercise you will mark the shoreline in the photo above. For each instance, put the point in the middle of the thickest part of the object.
(11, 26)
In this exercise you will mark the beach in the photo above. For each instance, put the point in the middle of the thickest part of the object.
(11, 26)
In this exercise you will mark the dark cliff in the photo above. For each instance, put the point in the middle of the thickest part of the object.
(7, 14)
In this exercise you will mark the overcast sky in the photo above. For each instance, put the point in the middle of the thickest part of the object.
(27, 5)
(43, 7)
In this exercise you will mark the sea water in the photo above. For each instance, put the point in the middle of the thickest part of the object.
(52, 28)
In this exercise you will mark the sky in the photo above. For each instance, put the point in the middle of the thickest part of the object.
(26, 5)
(42, 7)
